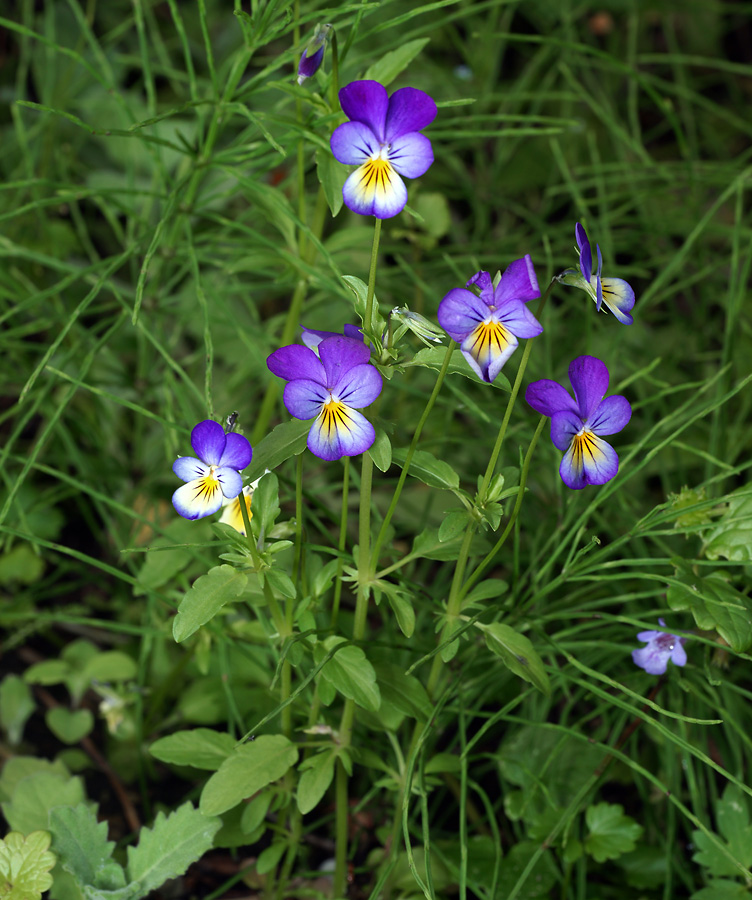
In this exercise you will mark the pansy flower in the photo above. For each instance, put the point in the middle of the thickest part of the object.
(382, 139)
(487, 326)
(330, 388)
(615, 293)
(577, 425)
(661, 647)
(216, 472)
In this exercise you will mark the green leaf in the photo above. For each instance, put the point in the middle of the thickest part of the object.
(317, 773)
(161, 565)
(404, 692)
(731, 538)
(205, 598)
(428, 545)
(112, 665)
(611, 833)
(69, 725)
(268, 858)
(433, 358)
(540, 879)
(21, 564)
(714, 603)
(34, 797)
(50, 671)
(360, 290)
(248, 770)
(490, 589)
(81, 843)
(281, 583)
(391, 64)
(732, 814)
(431, 471)
(202, 748)
(255, 812)
(722, 890)
(332, 176)
(16, 705)
(350, 672)
(266, 503)
(25, 864)
(455, 523)
(434, 210)
(381, 450)
(402, 609)
(170, 846)
(517, 653)
(286, 440)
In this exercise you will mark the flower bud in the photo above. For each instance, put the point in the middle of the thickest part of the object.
(313, 53)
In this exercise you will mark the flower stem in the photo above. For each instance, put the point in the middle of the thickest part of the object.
(297, 569)
(368, 324)
(342, 539)
(410, 453)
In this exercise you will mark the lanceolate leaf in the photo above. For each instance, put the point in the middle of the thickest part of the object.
(431, 471)
(350, 672)
(284, 441)
(517, 654)
(202, 748)
(206, 597)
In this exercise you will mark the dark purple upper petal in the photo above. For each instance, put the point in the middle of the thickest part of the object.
(549, 397)
(611, 416)
(208, 440)
(482, 280)
(518, 282)
(294, 361)
(411, 154)
(238, 452)
(338, 354)
(367, 102)
(409, 110)
(461, 311)
(358, 387)
(589, 377)
(586, 256)
(353, 143)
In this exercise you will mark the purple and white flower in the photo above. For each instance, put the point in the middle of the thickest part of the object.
(216, 472)
(661, 647)
(330, 387)
(383, 140)
(615, 293)
(487, 326)
(577, 425)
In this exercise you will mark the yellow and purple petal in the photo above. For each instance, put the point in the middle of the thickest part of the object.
(619, 298)
(375, 189)
(198, 498)
(589, 460)
(488, 346)
(340, 431)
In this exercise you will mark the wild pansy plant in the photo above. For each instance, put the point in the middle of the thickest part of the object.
(330, 387)
(661, 647)
(615, 293)
(383, 140)
(313, 54)
(487, 325)
(216, 472)
(577, 424)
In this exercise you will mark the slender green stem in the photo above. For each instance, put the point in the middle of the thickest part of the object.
(334, 83)
(410, 453)
(342, 539)
(368, 324)
(297, 570)
(276, 613)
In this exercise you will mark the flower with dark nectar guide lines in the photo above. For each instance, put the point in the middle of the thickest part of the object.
(661, 647)
(330, 388)
(383, 139)
(314, 53)
(216, 472)
(615, 293)
(487, 326)
(576, 425)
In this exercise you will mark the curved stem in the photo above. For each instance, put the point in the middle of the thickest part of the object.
(368, 324)
(342, 539)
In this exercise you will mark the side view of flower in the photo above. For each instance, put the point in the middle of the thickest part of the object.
(313, 54)
(214, 474)
(577, 425)
(231, 512)
(330, 388)
(615, 293)
(487, 326)
(661, 647)
(383, 139)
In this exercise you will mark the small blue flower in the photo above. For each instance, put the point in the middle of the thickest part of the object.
(615, 293)
(216, 472)
(660, 648)
(576, 425)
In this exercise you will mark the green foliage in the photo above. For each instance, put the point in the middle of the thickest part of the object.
(610, 832)
(202, 748)
(733, 819)
(517, 653)
(349, 671)
(207, 596)
(16, 705)
(731, 538)
(251, 767)
(82, 846)
(69, 726)
(25, 864)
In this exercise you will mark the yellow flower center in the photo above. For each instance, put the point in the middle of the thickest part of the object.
(206, 486)
(334, 414)
(376, 174)
(488, 337)
(584, 443)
